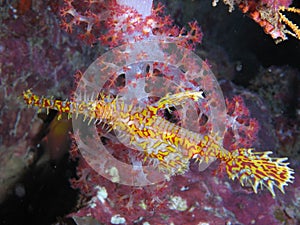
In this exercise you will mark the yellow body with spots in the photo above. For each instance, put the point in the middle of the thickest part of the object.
(170, 146)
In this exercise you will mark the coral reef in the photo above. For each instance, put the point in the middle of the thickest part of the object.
(36, 54)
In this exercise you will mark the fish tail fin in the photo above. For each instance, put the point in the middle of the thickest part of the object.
(259, 169)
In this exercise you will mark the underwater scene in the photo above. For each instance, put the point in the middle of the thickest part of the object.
(150, 112)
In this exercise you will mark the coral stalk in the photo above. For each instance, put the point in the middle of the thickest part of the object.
(143, 7)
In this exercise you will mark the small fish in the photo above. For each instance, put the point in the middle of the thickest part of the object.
(170, 146)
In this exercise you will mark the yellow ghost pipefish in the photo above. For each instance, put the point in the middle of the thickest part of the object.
(170, 146)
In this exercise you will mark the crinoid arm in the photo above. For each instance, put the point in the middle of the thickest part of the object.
(294, 27)
(259, 169)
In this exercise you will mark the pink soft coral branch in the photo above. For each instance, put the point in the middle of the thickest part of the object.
(117, 22)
